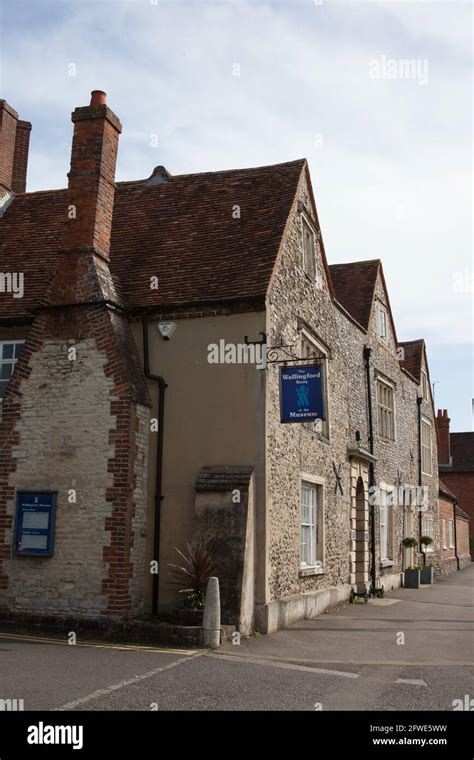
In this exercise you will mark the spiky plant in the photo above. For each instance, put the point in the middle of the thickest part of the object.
(199, 560)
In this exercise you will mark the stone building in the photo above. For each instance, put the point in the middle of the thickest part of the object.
(141, 371)
(390, 386)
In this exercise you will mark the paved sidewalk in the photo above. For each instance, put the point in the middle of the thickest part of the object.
(413, 650)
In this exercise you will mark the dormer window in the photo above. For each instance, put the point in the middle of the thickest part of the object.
(309, 258)
(382, 322)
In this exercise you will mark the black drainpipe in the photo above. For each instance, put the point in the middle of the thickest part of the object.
(455, 531)
(159, 457)
(419, 401)
(373, 571)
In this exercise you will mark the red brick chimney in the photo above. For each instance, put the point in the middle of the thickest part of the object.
(442, 425)
(91, 186)
(14, 144)
(8, 122)
(20, 157)
(82, 273)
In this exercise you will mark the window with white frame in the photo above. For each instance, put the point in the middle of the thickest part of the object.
(309, 532)
(312, 523)
(386, 524)
(386, 410)
(426, 454)
(443, 534)
(310, 349)
(9, 353)
(427, 530)
(450, 537)
(382, 322)
(309, 255)
(424, 385)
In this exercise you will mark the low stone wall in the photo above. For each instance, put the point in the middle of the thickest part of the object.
(392, 581)
(287, 610)
(449, 566)
(140, 632)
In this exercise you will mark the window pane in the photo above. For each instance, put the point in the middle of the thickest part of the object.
(308, 524)
(6, 370)
(7, 352)
(3, 385)
(18, 348)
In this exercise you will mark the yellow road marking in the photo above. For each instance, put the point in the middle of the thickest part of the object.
(99, 644)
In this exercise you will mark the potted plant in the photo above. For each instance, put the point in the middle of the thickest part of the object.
(426, 575)
(199, 560)
(426, 571)
(426, 541)
(412, 577)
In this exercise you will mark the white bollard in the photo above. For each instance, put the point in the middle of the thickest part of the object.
(211, 623)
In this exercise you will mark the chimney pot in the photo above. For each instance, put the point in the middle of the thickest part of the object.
(98, 98)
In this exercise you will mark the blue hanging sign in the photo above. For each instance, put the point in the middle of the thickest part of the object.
(35, 523)
(301, 393)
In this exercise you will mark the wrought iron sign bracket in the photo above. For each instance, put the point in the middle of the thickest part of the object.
(284, 355)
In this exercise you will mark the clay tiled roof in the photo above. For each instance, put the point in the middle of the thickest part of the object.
(445, 491)
(462, 452)
(413, 357)
(461, 513)
(180, 229)
(223, 477)
(354, 286)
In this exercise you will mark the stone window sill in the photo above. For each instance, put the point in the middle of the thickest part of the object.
(387, 563)
(305, 571)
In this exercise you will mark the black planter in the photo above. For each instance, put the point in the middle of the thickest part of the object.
(426, 575)
(411, 579)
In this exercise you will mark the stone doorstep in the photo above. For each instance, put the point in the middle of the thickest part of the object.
(140, 632)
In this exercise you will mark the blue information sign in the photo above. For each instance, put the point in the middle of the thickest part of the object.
(35, 523)
(301, 393)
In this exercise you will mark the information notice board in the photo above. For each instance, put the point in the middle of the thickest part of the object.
(35, 523)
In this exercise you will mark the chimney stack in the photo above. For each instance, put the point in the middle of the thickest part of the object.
(442, 425)
(20, 157)
(91, 187)
(14, 144)
(82, 270)
(8, 122)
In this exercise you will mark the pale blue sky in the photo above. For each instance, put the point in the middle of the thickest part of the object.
(390, 158)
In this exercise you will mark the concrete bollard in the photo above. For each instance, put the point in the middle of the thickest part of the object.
(211, 623)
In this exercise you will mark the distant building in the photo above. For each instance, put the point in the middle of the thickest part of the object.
(454, 535)
(456, 464)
